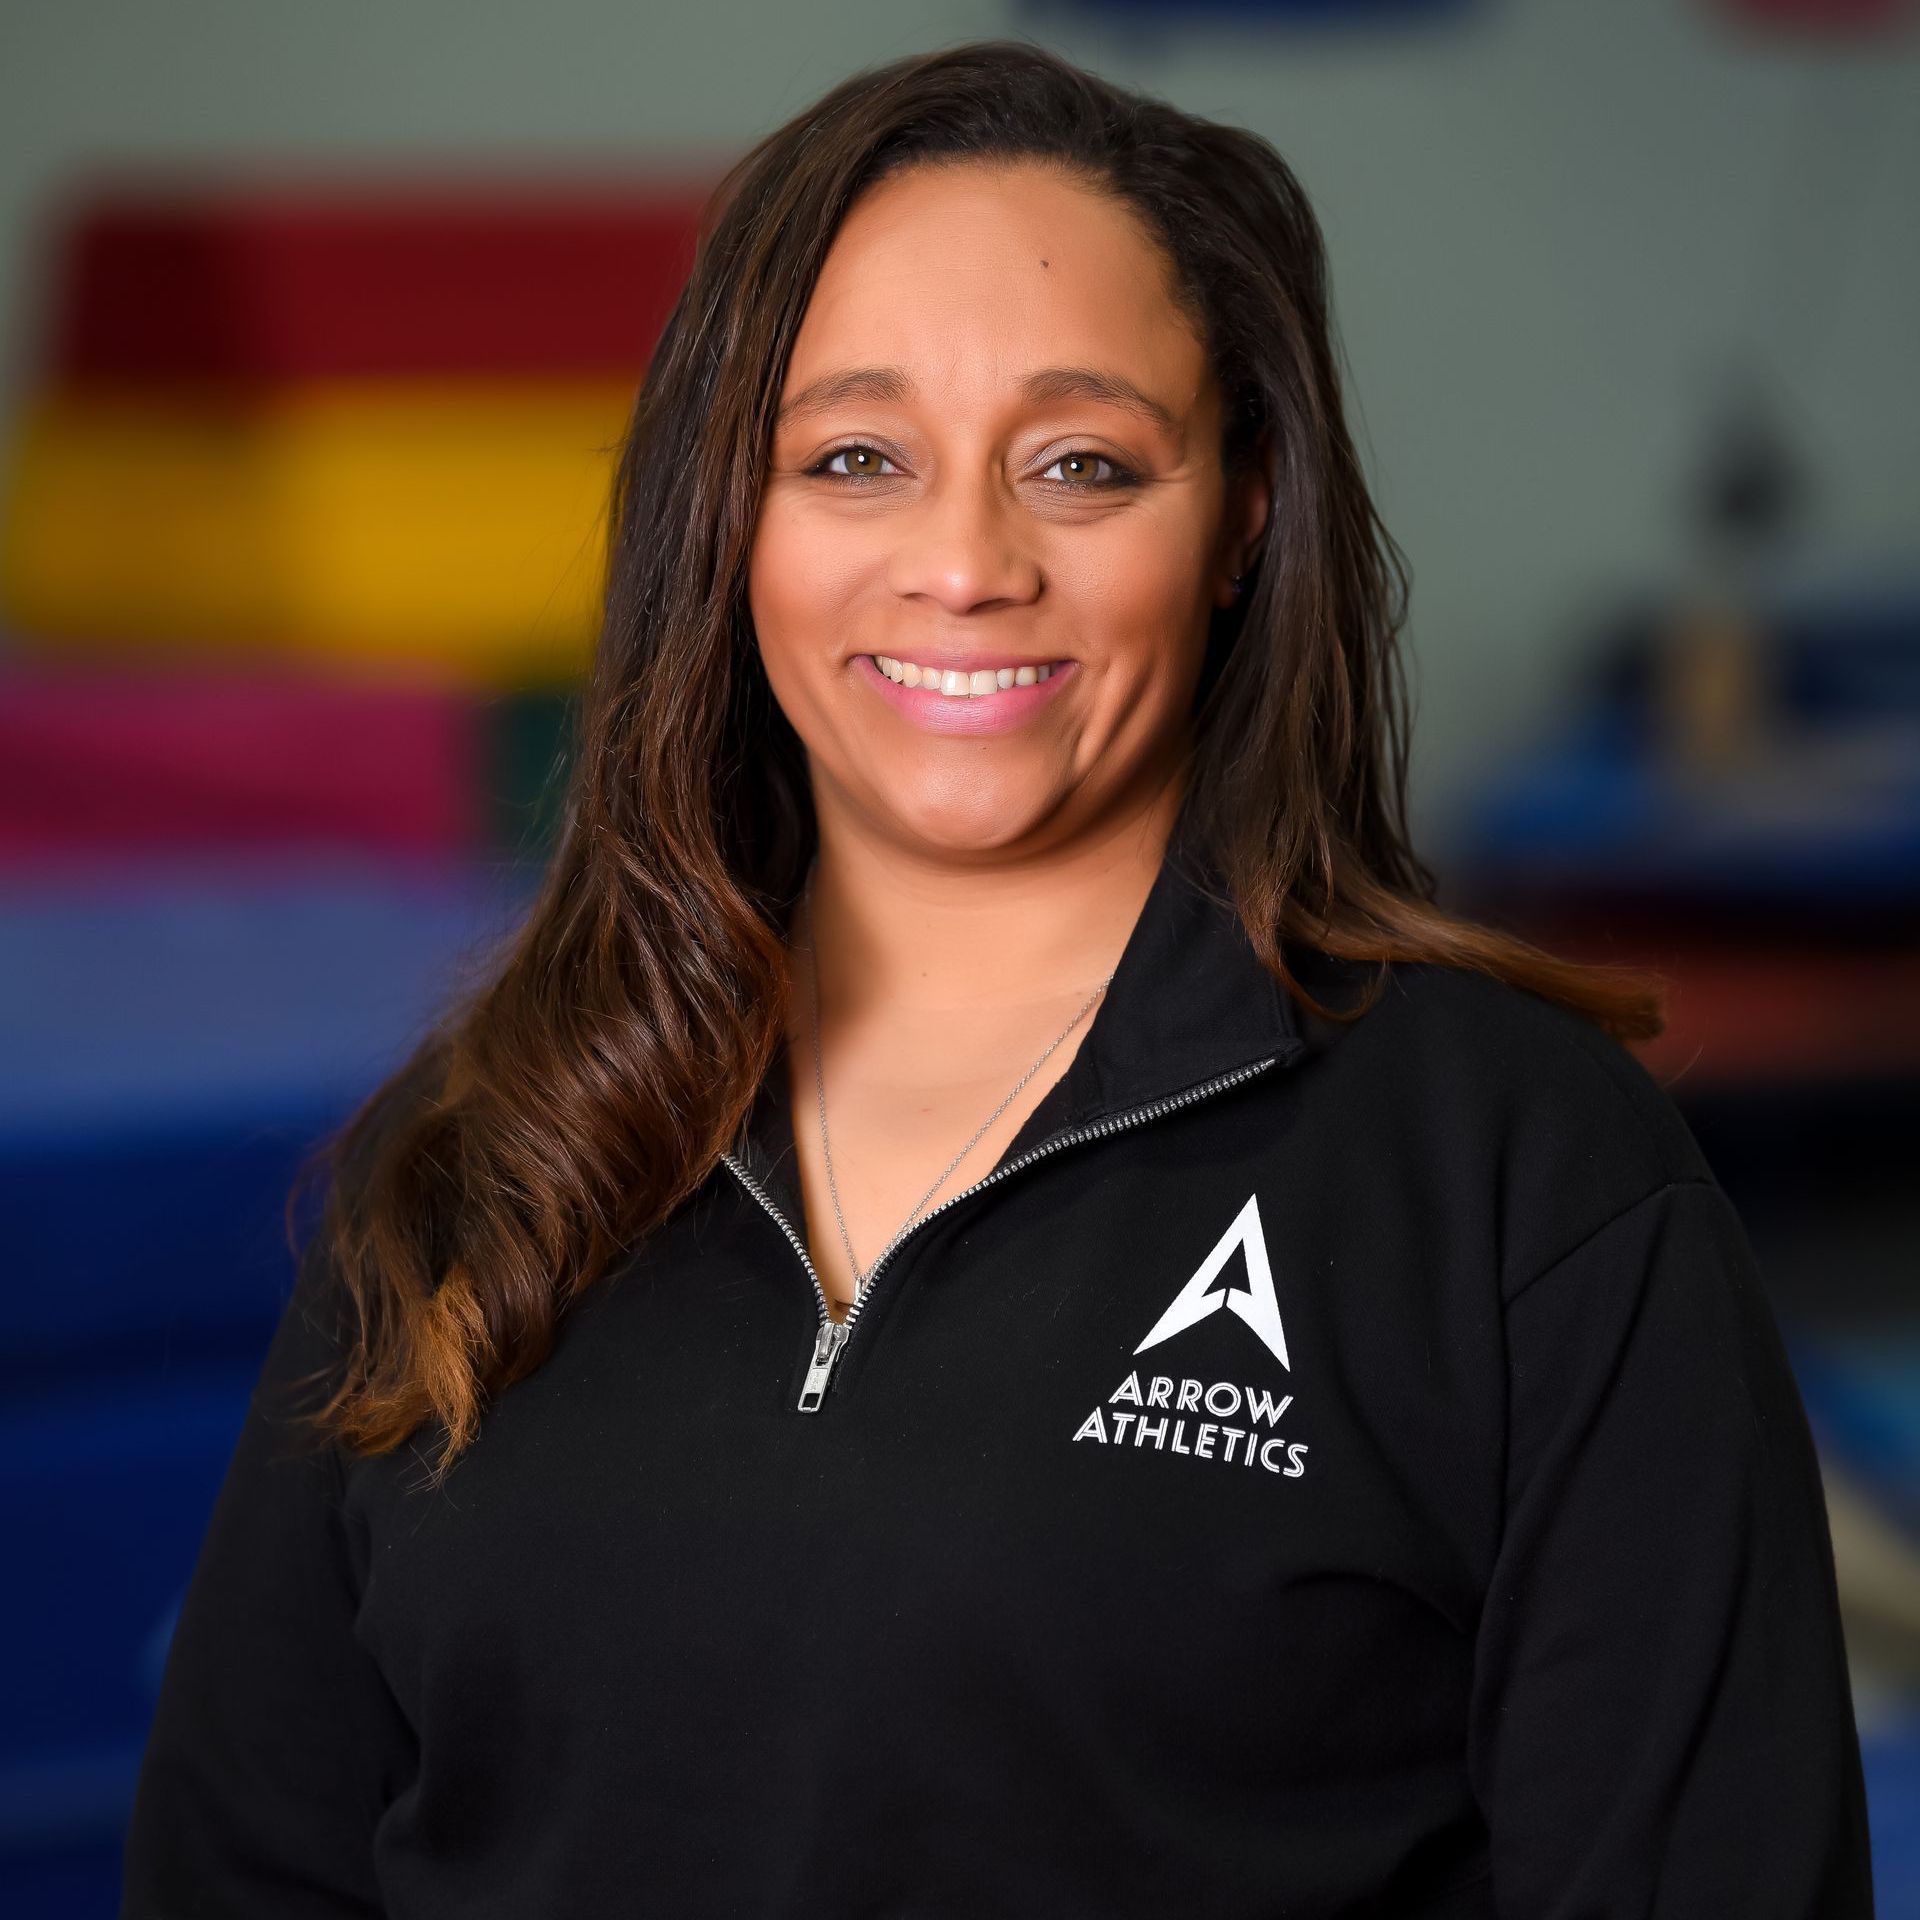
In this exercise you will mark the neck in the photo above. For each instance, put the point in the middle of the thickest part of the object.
(907, 938)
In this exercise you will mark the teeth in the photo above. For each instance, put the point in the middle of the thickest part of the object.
(960, 685)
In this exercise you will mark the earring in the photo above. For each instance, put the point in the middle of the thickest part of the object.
(1236, 584)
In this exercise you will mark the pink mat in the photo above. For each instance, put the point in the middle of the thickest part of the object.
(112, 760)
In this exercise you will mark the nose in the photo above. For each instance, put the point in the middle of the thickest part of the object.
(961, 549)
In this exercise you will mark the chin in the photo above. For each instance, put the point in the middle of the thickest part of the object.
(978, 824)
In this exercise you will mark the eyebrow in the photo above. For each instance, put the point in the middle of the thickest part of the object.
(889, 384)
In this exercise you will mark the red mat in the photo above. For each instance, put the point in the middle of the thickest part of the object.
(217, 281)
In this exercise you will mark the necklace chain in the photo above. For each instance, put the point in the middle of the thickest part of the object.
(820, 1091)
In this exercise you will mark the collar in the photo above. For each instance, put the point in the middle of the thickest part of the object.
(1189, 1001)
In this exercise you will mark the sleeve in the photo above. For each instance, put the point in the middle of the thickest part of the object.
(275, 1742)
(1662, 1722)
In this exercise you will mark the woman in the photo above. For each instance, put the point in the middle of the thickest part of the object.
(985, 945)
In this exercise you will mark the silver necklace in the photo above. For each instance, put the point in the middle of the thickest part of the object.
(820, 1090)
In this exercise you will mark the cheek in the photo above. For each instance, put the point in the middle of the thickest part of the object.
(1138, 594)
(802, 579)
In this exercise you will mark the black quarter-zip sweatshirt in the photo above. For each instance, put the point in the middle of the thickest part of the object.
(1315, 1471)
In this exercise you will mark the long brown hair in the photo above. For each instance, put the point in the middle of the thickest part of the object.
(588, 1086)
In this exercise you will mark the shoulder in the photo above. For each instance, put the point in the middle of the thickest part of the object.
(1534, 1059)
(1510, 1093)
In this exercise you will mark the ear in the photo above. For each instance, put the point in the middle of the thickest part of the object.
(1249, 501)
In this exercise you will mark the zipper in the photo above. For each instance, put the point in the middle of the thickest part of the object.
(831, 1335)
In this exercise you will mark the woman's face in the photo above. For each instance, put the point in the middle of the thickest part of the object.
(998, 454)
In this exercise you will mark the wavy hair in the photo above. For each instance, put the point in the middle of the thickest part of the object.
(586, 1087)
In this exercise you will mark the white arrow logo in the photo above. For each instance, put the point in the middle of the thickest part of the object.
(1255, 1304)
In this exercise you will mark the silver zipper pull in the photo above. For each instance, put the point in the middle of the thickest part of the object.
(827, 1343)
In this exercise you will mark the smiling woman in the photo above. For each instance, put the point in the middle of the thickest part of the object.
(1255, 1404)
(1023, 480)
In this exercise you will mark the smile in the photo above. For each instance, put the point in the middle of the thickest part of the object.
(971, 686)
(970, 701)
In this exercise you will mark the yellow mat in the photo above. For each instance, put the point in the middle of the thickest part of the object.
(455, 525)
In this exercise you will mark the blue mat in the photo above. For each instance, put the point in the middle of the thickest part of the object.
(174, 1039)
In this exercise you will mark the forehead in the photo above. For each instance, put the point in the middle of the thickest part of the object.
(966, 272)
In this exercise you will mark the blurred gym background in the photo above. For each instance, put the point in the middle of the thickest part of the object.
(318, 326)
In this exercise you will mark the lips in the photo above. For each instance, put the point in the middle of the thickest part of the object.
(993, 709)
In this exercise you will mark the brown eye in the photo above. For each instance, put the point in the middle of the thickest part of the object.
(863, 463)
(1079, 470)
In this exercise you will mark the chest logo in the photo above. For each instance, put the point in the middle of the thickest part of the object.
(1244, 1427)
(1254, 1303)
